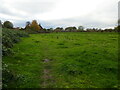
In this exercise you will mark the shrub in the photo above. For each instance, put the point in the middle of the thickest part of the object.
(9, 37)
(8, 24)
(9, 76)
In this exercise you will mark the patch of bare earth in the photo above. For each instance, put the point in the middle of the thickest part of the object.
(47, 77)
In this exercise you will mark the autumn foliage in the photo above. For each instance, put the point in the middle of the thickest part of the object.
(33, 26)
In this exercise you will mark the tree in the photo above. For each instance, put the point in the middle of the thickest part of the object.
(71, 29)
(50, 30)
(8, 24)
(108, 30)
(34, 26)
(27, 25)
(117, 29)
(58, 29)
(81, 28)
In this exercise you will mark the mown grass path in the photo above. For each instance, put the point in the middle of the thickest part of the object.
(66, 60)
(47, 77)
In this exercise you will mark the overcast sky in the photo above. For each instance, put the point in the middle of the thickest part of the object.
(61, 13)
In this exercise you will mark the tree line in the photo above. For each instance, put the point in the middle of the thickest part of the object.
(35, 27)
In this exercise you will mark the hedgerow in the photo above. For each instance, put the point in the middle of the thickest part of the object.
(9, 38)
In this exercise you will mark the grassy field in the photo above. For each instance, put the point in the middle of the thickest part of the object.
(65, 60)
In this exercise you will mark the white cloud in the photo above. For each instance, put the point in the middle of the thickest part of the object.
(89, 13)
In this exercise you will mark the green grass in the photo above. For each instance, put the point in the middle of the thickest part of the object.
(78, 60)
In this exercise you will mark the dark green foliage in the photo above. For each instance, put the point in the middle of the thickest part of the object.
(71, 29)
(81, 28)
(58, 29)
(8, 24)
(117, 29)
(9, 37)
(9, 77)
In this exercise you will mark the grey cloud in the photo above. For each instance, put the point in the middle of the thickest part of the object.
(34, 7)
(31, 8)
(6, 11)
(86, 21)
(100, 18)
(20, 24)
